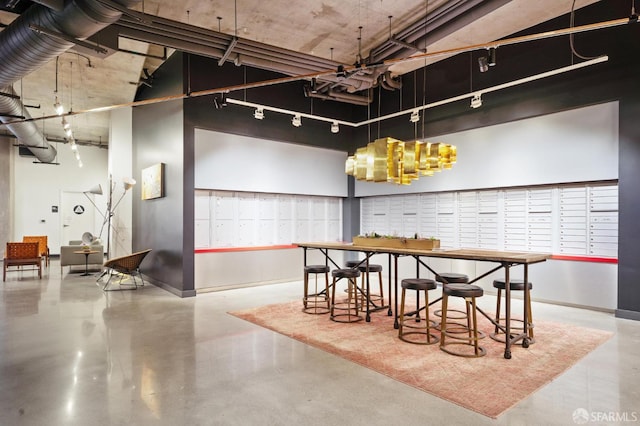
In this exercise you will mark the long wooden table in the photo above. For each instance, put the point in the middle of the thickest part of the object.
(504, 260)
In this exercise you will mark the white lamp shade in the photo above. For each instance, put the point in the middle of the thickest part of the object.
(128, 183)
(95, 190)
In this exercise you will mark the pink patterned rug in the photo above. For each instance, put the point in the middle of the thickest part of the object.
(470, 383)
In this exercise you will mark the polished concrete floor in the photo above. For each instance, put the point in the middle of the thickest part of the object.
(71, 354)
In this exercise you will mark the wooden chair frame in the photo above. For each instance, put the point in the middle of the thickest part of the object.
(21, 254)
(43, 245)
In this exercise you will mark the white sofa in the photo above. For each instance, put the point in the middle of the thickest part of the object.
(68, 257)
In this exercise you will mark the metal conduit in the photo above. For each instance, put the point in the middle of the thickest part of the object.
(214, 44)
(22, 51)
(163, 26)
(440, 23)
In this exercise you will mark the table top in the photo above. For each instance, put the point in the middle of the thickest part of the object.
(465, 254)
(87, 251)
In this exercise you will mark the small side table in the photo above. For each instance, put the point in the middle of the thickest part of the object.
(86, 260)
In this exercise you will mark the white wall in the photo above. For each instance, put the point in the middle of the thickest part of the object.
(239, 163)
(38, 187)
(578, 145)
(121, 167)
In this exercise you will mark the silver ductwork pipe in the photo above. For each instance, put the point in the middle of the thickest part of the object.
(23, 51)
(26, 133)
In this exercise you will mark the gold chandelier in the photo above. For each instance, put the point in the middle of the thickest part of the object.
(392, 160)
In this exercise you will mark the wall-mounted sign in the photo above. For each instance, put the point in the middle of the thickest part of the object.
(78, 209)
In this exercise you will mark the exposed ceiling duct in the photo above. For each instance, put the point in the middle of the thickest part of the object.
(204, 42)
(439, 23)
(23, 50)
(341, 87)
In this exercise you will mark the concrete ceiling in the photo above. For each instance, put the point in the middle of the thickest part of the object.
(327, 29)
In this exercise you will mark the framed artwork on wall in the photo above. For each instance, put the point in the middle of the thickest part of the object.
(153, 182)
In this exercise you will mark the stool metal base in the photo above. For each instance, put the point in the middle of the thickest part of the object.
(499, 335)
(316, 303)
(474, 354)
(467, 346)
(347, 311)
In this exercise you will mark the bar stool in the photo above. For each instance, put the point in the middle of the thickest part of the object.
(347, 312)
(316, 303)
(514, 285)
(452, 277)
(362, 267)
(417, 284)
(446, 278)
(469, 293)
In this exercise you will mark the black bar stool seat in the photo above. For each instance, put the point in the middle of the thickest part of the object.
(452, 277)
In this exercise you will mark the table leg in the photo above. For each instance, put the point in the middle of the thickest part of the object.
(368, 316)
(390, 311)
(527, 295)
(86, 265)
(396, 324)
(507, 308)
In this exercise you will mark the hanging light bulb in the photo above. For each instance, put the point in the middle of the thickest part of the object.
(79, 163)
(77, 155)
(68, 132)
(65, 124)
(74, 147)
(58, 107)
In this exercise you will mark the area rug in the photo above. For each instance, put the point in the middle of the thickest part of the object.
(489, 385)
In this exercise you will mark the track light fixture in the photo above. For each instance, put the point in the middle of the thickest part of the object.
(335, 128)
(483, 65)
(484, 62)
(68, 132)
(476, 101)
(492, 57)
(415, 116)
(220, 101)
(259, 114)
(296, 121)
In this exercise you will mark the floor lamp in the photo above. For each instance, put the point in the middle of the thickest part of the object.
(127, 184)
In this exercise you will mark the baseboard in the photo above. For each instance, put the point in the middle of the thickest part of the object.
(630, 315)
(170, 289)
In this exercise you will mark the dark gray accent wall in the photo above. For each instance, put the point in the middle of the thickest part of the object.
(165, 224)
(629, 208)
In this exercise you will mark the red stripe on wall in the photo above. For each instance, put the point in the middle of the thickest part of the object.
(233, 249)
(585, 259)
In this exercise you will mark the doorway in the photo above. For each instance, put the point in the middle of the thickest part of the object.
(78, 216)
